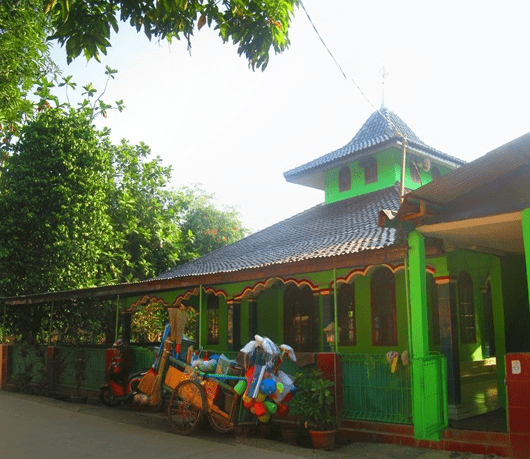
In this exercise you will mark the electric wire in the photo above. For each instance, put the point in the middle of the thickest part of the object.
(344, 73)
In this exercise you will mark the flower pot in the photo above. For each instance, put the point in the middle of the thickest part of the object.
(323, 439)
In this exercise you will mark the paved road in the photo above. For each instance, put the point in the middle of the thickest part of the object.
(34, 427)
(30, 429)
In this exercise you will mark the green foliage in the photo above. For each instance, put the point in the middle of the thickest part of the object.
(314, 399)
(255, 26)
(23, 58)
(209, 228)
(148, 322)
(146, 234)
(54, 189)
(54, 227)
(79, 211)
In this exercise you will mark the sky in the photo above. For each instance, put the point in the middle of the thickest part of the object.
(457, 75)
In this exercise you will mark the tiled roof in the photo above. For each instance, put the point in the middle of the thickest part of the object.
(326, 230)
(377, 130)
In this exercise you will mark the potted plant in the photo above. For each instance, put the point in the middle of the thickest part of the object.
(313, 402)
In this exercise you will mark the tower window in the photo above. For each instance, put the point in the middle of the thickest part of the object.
(370, 170)
(435, 173)
(414, 171)
(344, 179)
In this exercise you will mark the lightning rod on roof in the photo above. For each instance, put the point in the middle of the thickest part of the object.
(384, 75)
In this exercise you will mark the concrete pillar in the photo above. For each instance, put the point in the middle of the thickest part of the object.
(4, 353)
(418, 296)
(428, 372)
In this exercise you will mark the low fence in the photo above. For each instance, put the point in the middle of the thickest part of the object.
(372, 392)
(48, 368)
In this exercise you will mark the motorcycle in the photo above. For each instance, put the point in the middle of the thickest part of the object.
(120, 387)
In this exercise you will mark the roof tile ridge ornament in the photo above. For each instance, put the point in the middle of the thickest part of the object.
(391, 130)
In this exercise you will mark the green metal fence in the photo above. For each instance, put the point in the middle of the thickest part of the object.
(372, 392)
(27, 363)
(30, 365)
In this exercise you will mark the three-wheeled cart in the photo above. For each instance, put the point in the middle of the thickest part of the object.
(195, 394)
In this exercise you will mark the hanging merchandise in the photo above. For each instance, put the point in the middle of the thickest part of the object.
(267, 387)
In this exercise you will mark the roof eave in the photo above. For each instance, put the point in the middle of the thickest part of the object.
(315, 177)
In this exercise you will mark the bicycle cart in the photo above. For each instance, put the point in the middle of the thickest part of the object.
(195, 394)
(252, 393)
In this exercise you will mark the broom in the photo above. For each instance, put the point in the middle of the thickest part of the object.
(147, 383)
(157, 389)
(177, 319)
(183, 318)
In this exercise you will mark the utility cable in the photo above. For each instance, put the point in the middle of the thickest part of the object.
(344, 74)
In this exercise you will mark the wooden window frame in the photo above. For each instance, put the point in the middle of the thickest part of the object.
(344, 179)
(347, 319)
(415, 174)
(370, 169)
(435, 173)
(466, 309)
(299, 318)
(212, 313)
(384, 313)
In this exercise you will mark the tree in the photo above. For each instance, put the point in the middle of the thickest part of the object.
(211, 228)
(23, 57)
(255, 26)
(78, 211)
(54, 226)
(146, 234)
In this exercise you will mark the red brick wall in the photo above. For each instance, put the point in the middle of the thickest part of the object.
(4, 348)
(330, 365)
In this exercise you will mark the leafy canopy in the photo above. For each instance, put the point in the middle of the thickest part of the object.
(255, 26)
(23, 57)
(78, 211)
(53, 193)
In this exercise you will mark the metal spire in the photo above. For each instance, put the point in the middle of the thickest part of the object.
(384, 75)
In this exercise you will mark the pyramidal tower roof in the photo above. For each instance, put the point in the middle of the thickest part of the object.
(382, 130)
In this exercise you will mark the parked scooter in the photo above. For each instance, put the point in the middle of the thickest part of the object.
(120, 387)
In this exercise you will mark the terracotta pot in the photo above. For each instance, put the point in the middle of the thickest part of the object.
(323, 439)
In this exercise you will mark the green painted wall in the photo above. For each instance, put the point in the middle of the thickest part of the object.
(481, 268)
(388, 170)
(515, 294)
(270, 313)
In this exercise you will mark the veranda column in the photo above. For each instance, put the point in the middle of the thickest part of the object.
(418, 296)
(427, 371)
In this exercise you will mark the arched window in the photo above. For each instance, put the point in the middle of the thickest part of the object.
(435, 173)
(383, 294)
(344, 179)
(300, 322)
(414, 171)
(466, 306)
(212, 312)
(346, 307)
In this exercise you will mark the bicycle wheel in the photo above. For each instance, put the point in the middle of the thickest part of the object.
(220, 421)
(186, 407)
